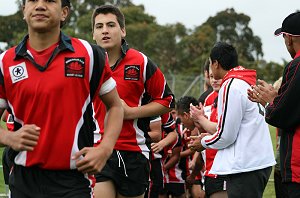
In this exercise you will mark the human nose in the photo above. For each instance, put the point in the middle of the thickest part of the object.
(104, 29)
(40, 5)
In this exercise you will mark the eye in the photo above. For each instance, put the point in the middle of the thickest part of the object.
(98, 26)
(111, 24)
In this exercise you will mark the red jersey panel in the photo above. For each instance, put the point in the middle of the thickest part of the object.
(56, 97)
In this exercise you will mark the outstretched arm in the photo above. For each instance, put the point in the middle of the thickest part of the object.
(148, 110)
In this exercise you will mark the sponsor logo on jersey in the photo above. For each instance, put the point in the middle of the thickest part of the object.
(132, 72)
(74, 67)
(18, 72)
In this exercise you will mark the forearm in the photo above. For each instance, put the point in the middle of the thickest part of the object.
(208, 126)
(198, 165)
(3, 132)
(4, 137)
(186, 153)
(112, 128)
(148, 110)
(155, 137)
(170, 138)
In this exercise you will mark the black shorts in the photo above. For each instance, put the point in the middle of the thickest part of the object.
(7, 165)
(249, 184)
(33, 182)
(128, 170)
(174, 189)
(213, 185)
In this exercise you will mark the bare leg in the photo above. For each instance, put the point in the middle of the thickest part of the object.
(221, 194)
(105, 189)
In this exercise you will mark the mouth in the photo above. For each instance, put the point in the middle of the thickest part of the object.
(105, 38)
(39, 16)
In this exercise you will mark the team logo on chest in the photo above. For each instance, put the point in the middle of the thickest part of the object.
(18, 72)
(132, 72)
(74, 67)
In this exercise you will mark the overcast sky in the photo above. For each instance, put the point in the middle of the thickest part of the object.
(266, 16)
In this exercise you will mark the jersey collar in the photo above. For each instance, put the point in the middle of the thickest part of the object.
(64, 44)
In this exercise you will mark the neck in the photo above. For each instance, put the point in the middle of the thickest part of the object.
(223, 73)
(113, 56)
(40, 41)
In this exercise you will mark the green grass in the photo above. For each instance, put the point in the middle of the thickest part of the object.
(269, 191)
(2, 185)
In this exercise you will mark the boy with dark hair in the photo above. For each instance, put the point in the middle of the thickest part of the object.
(194, 177)
(56, 78)
(139, 81)
(241, 132)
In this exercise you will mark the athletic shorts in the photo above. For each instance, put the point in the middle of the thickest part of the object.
(6, 165)
(213, 185)
(128, 170)
(174, 189)
(249, 184)
(33, 182)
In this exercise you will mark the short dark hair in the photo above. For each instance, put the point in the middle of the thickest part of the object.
(109, 9)
(183, 104)
(64, 3)
(225, 54)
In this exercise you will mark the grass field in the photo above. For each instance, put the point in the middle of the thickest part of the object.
(269, 191)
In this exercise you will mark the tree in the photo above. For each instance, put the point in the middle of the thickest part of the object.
(194, 50)
(269, 71)
(233, 28)
(13, 27)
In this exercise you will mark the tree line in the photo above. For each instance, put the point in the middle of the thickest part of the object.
(175, 48)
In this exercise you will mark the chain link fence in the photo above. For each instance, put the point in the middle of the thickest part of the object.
(185, 85)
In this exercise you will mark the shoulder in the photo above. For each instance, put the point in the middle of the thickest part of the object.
(133, 53)
(293, 63)
(235, 86)
(138, 57)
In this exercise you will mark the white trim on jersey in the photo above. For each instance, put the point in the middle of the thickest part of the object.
(107, 86)
(3, 103)
(88, 47)
(97, 134)
(145, 66)
(78, 127)
(141, 140)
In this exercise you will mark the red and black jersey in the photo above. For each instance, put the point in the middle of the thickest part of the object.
(175, 173)
(284, 113)
(139, 81)
(56, 97)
